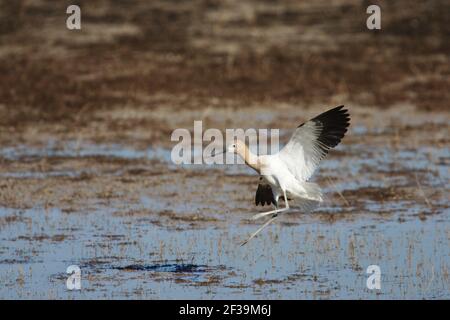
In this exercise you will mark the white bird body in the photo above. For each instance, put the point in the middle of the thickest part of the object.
(286, 173)
(277, 174)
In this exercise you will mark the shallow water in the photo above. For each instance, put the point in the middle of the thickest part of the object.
(123, 257)
(161, 246)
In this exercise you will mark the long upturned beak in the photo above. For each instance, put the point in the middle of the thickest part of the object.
(215, 153)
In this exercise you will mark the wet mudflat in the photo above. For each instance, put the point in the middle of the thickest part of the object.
(140, 226)
(85, 171)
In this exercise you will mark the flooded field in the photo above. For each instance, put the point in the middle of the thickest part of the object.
(86, 176)
(140, 226)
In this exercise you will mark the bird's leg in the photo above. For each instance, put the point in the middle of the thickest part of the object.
(259, 230)
(263, 214)
(273, 212)
(274, 216)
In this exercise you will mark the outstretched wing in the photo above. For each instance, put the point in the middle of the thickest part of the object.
(311, 141)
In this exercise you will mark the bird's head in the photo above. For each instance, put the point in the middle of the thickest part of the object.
(236, 147)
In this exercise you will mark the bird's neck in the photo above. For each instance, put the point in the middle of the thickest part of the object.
(251, 159)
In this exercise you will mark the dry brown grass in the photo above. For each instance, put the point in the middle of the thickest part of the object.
(247, 51)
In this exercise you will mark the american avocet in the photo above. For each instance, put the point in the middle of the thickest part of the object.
(285, 174)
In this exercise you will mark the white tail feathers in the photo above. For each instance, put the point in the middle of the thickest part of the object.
(308, 195)
(306, 190)
(313, 191)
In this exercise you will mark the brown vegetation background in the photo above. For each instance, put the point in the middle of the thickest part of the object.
(196, 53)
(86, 176)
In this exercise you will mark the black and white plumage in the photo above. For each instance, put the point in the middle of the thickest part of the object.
(308, 145)
(285, 175)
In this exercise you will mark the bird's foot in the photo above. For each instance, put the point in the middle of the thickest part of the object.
(259, 230)
(263, 214)
(274, 213)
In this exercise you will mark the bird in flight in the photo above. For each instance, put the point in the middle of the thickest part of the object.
(285, 175)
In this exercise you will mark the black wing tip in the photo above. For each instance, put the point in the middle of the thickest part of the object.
(335, 113)
(338, 114)
(338, 111)
(335, 124)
